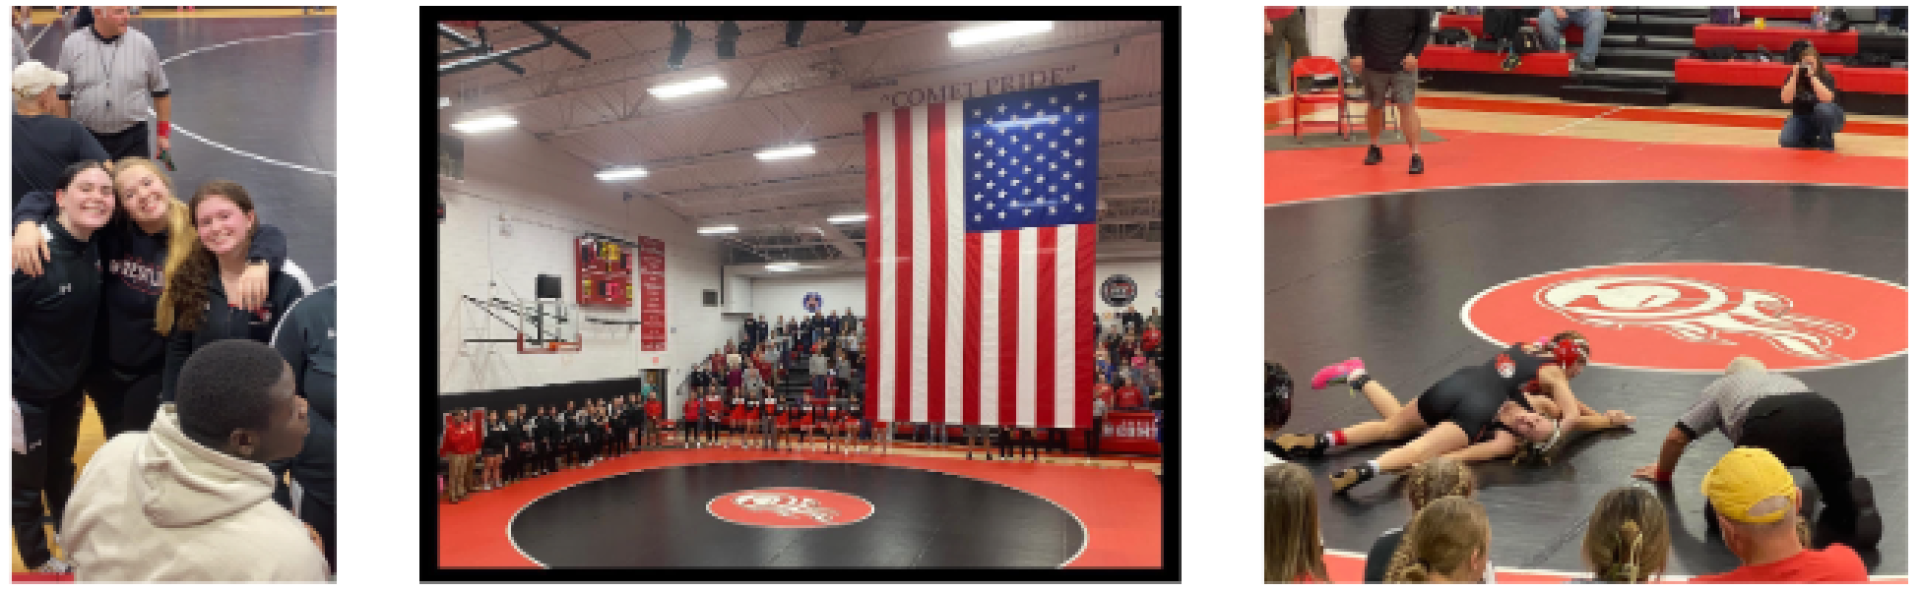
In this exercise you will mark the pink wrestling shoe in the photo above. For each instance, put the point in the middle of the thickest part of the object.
(1337, 373)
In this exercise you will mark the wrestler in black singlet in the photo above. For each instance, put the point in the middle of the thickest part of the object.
(1471, 397)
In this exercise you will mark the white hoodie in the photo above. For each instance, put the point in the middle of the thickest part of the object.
(155, 506)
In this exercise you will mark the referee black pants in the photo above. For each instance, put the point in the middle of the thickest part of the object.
(131, 142)
(43, 477)
(1807, 431)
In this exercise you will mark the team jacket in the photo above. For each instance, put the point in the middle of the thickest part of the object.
(223, 321)
(305, 337)
(54, 315)
(134, 261)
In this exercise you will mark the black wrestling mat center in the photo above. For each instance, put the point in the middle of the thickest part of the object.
(666, 517)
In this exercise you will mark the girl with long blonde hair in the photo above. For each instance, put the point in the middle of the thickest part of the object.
(1294, 552)
(148, 226)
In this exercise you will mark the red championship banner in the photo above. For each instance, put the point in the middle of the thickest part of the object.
(652, 267)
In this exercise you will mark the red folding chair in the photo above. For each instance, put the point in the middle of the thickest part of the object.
(1314, 66)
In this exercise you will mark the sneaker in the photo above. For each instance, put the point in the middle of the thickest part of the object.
(1418, 166)
(54, 566)
(1337, 373)
(1349, 477)
(1302, 445)
(1867, 527)
(1373, 155)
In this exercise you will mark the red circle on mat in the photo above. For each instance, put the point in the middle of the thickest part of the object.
(1695, 317)
(790, 508)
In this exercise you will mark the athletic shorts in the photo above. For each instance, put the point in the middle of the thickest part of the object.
(1382, 85)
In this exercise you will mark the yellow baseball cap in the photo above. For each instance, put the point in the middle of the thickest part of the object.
(1744, 479)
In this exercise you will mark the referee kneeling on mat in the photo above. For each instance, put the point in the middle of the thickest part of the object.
(1762, 409)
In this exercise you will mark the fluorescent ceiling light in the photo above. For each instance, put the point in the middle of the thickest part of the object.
(718, 229)
(783, 266)
(996, 32)
(621, 173)
(849, 218)
(485, 124)
(782, 153)
(688, 87)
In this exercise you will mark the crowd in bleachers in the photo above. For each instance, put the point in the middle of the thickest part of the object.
(784, 384)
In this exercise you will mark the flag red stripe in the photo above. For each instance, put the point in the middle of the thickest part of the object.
(970, 322)
(936, 339)
(872, 407)
(903, 320)
(1044, 281)
(1083, 307)
(1009, 325)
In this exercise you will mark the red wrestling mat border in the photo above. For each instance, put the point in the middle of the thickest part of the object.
(1351, 568)
(1474, 159)
(1120, 508)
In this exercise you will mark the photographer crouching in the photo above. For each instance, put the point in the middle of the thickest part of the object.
(1816, 116)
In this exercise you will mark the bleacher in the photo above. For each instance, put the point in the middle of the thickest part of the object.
(1644, 60)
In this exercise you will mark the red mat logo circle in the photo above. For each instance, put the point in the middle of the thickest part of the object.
(790, 508)
(1695, 317)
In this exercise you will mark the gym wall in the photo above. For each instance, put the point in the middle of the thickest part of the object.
(515, 217)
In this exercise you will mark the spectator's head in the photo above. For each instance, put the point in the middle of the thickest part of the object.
(569, 405)
(1756, 501)
(110, 21)
(1627, 537)
(1438, 478)
(1803, 52)
(493, 415)
(85, 198)
(1293, 526)
(236, 396)
(513, 415)
(34, 86)
(1448, 542)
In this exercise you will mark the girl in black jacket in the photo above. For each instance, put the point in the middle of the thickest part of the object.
(198, 305)
(53, 317)
(123, 377)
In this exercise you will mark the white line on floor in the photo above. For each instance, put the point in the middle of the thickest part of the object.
(230, 149)
(1576, 123)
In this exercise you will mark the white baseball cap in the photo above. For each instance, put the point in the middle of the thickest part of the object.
(32, 78)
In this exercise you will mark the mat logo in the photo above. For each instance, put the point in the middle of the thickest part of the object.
(1695, 317)
(790, 508)
(811, 301)
(787, 505)
(1694, 311)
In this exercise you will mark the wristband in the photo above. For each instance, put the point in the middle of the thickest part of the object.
(1663, 476)
(164, 128)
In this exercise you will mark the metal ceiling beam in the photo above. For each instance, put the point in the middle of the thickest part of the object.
(841, 88)
(780, 51)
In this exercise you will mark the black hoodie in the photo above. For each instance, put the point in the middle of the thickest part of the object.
(223, 321)
(53, 317)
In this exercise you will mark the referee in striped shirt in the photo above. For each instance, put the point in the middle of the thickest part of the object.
(1776, 412)
(114, 74)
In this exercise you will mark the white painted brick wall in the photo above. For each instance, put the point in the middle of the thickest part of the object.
(548, 198)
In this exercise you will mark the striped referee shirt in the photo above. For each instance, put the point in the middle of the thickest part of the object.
(111, 81)
(1725, 403)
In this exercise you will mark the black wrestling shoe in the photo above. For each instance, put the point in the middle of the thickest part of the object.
(1303, 445)
(1349, 477)
(1373, 155)
(1418, 166)
(1866, 522)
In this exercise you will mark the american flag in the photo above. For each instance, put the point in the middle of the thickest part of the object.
(980, 243)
